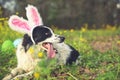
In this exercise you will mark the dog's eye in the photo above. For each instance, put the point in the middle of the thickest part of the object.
(46, 33)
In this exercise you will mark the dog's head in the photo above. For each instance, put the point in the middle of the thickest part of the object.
(44, 36)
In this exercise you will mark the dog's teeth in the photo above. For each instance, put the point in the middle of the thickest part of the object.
(55, 51)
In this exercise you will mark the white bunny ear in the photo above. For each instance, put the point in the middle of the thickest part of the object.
(19, 24)
(33, 16)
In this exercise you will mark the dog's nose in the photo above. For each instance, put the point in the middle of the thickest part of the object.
(62, 38)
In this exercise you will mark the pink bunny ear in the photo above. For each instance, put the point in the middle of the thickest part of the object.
(19, 24)
(33, 16)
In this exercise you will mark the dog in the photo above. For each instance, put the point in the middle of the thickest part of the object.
(54, 45)
(44, 38)
(64, 53)
(39, 38)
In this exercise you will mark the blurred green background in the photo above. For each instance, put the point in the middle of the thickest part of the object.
(68, 13)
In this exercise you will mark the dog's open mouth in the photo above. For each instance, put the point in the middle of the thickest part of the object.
(50, 50)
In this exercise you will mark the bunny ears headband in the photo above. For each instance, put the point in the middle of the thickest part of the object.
(22, 25)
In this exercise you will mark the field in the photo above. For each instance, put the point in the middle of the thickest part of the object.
(99, 50)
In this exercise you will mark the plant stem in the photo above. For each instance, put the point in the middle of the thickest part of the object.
(72, 76)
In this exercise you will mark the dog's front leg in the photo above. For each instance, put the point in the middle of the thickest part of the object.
(13, 73)
(22, 75)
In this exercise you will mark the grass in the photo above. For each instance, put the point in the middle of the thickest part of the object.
(99, 50)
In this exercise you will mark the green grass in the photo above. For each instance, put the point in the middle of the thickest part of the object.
(95, 64)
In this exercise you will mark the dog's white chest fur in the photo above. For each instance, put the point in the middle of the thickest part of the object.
(25, 60)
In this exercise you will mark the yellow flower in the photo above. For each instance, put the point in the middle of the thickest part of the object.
(31, 51)
(17, 13)
(36, 75)
(16, 78)
(109, 27)
(65, 31)
(40, 54)
(60, 32)
(83, 29)
(72, 30)
(83, 40)
(118, 42)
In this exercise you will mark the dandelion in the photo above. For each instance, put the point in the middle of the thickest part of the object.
(60, 32)
(72, 30)
(83, 29)
(17, 13)
(17, 79)
(36, 75)
(40, 54)
(118, 42)
(109, 27)
(82, 39)
(31, 51)
(65, 31)
(114, 28)
(2, 19)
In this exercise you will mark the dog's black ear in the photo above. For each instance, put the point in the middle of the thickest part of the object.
(40, 33)
(27, 42)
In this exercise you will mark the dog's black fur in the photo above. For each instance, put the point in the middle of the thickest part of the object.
(27, 42)
(65, 54)
(41, 33)
(74, 54)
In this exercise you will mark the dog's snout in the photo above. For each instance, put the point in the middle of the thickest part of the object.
(61, 38)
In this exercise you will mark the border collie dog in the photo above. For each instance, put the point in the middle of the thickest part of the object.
(55, 46)
(39, 37)
(44, 39)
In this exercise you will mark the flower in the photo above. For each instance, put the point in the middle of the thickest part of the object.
(72, 30)
(60, 32)
(17, 13)
(40, 54)
(31, 51)
(109, 27)
(17, 79)
(83, 29)
(36, 75)
(83, 39)
(65, 31)
(118, 42)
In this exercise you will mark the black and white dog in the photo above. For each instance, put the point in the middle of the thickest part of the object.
(43, 38)
(40, 38)
(65, 54)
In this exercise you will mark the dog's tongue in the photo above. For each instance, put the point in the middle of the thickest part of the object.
(50, 51)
